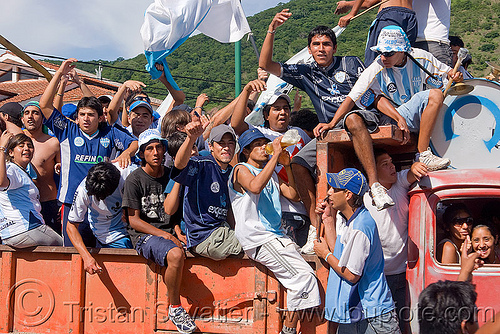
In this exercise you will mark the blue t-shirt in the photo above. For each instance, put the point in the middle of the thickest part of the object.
(206, 200)
(79, 151)
(327, 87)
(370, 296)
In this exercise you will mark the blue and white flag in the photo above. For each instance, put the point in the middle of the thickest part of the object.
(168, 23)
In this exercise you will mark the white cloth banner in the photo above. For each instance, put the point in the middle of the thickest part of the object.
(168, 23)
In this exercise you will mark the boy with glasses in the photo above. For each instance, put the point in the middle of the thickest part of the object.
(412, 80)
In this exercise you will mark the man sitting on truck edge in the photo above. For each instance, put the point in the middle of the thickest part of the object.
(411, 78)
(207, 210)
(151, 230)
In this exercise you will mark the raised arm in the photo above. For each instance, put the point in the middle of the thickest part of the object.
(4, 141)
(193, 129)
(256, 183)
(239, 114)
(288, 189)
(59, 99)
(47, 98)
(178, 96)
(266, 54)
(114, 105)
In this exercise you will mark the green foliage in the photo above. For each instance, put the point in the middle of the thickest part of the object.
(477, 22)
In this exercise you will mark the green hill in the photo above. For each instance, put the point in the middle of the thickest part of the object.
(200, 57)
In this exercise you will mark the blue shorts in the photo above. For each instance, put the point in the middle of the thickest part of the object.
(154, 248)
(412, 110)
(120, 243)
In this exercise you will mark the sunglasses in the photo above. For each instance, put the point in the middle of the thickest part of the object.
(142, 98)
(461, 221)
(387, 54)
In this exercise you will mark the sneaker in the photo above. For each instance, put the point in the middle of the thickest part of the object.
(380, 198)
(308, 248)
(181, 320)
(433, 162)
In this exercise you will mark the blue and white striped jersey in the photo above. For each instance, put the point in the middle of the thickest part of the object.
(399, 83)
(19, 203)
(79, 151)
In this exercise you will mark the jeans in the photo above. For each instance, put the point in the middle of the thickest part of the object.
(386, 323)
(440, 50)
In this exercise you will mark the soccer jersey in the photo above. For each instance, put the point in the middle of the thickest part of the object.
(286, 204)
(80, 151)
(399, 83)
(206, 200)
(257, 216)
(19, 203)
(327, 87)
(104, 216)
(358, 249)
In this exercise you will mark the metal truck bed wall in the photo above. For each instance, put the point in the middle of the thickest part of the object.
(46, 290)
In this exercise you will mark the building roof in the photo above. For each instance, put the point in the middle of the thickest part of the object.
(31, 88)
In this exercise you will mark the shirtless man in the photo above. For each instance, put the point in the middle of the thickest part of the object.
(391, 12)
(45, 158)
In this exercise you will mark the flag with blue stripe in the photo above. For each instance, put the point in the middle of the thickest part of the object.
(168, 23)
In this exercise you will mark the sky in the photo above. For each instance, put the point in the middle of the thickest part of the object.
(86, 30)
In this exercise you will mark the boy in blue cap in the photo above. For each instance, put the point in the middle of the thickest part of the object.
(357, 296)
(254, 189)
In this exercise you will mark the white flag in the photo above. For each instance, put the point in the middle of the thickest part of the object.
(168, 23)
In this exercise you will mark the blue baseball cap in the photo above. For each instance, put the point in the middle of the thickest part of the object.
(392, 38)
(69, 110)
(248, 137)
(143, 104)
(350, 179)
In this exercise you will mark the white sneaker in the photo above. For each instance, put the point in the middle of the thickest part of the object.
(380, 198)
(181, 320)
(432, 161)
(308, 248)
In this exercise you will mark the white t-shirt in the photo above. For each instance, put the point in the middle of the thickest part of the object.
(433, 19)
(392, 224)
(104, 216)
(399, 83)
(286, 204)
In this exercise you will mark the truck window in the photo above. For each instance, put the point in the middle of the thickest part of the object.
(476, 218)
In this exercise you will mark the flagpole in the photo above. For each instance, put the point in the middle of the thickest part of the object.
(237, 68)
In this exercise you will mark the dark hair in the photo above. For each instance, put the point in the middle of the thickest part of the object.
(443, 305)
(90, 102)
(451, 211)
(250, 104)
(491, 210)
(130, 98)
(378, 151)
(487, 224)
(16, 140)
(305, 119)
(104, 99)
(357, 201)
(322, 31)
(172, 120)
(102, 180)
(3, 126)
(142, 148)
(175, 140)
(267, 109)
(456, 41)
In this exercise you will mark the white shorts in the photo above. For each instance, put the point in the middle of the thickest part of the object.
(281, 256)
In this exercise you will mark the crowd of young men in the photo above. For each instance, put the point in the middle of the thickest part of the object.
(238, 199)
